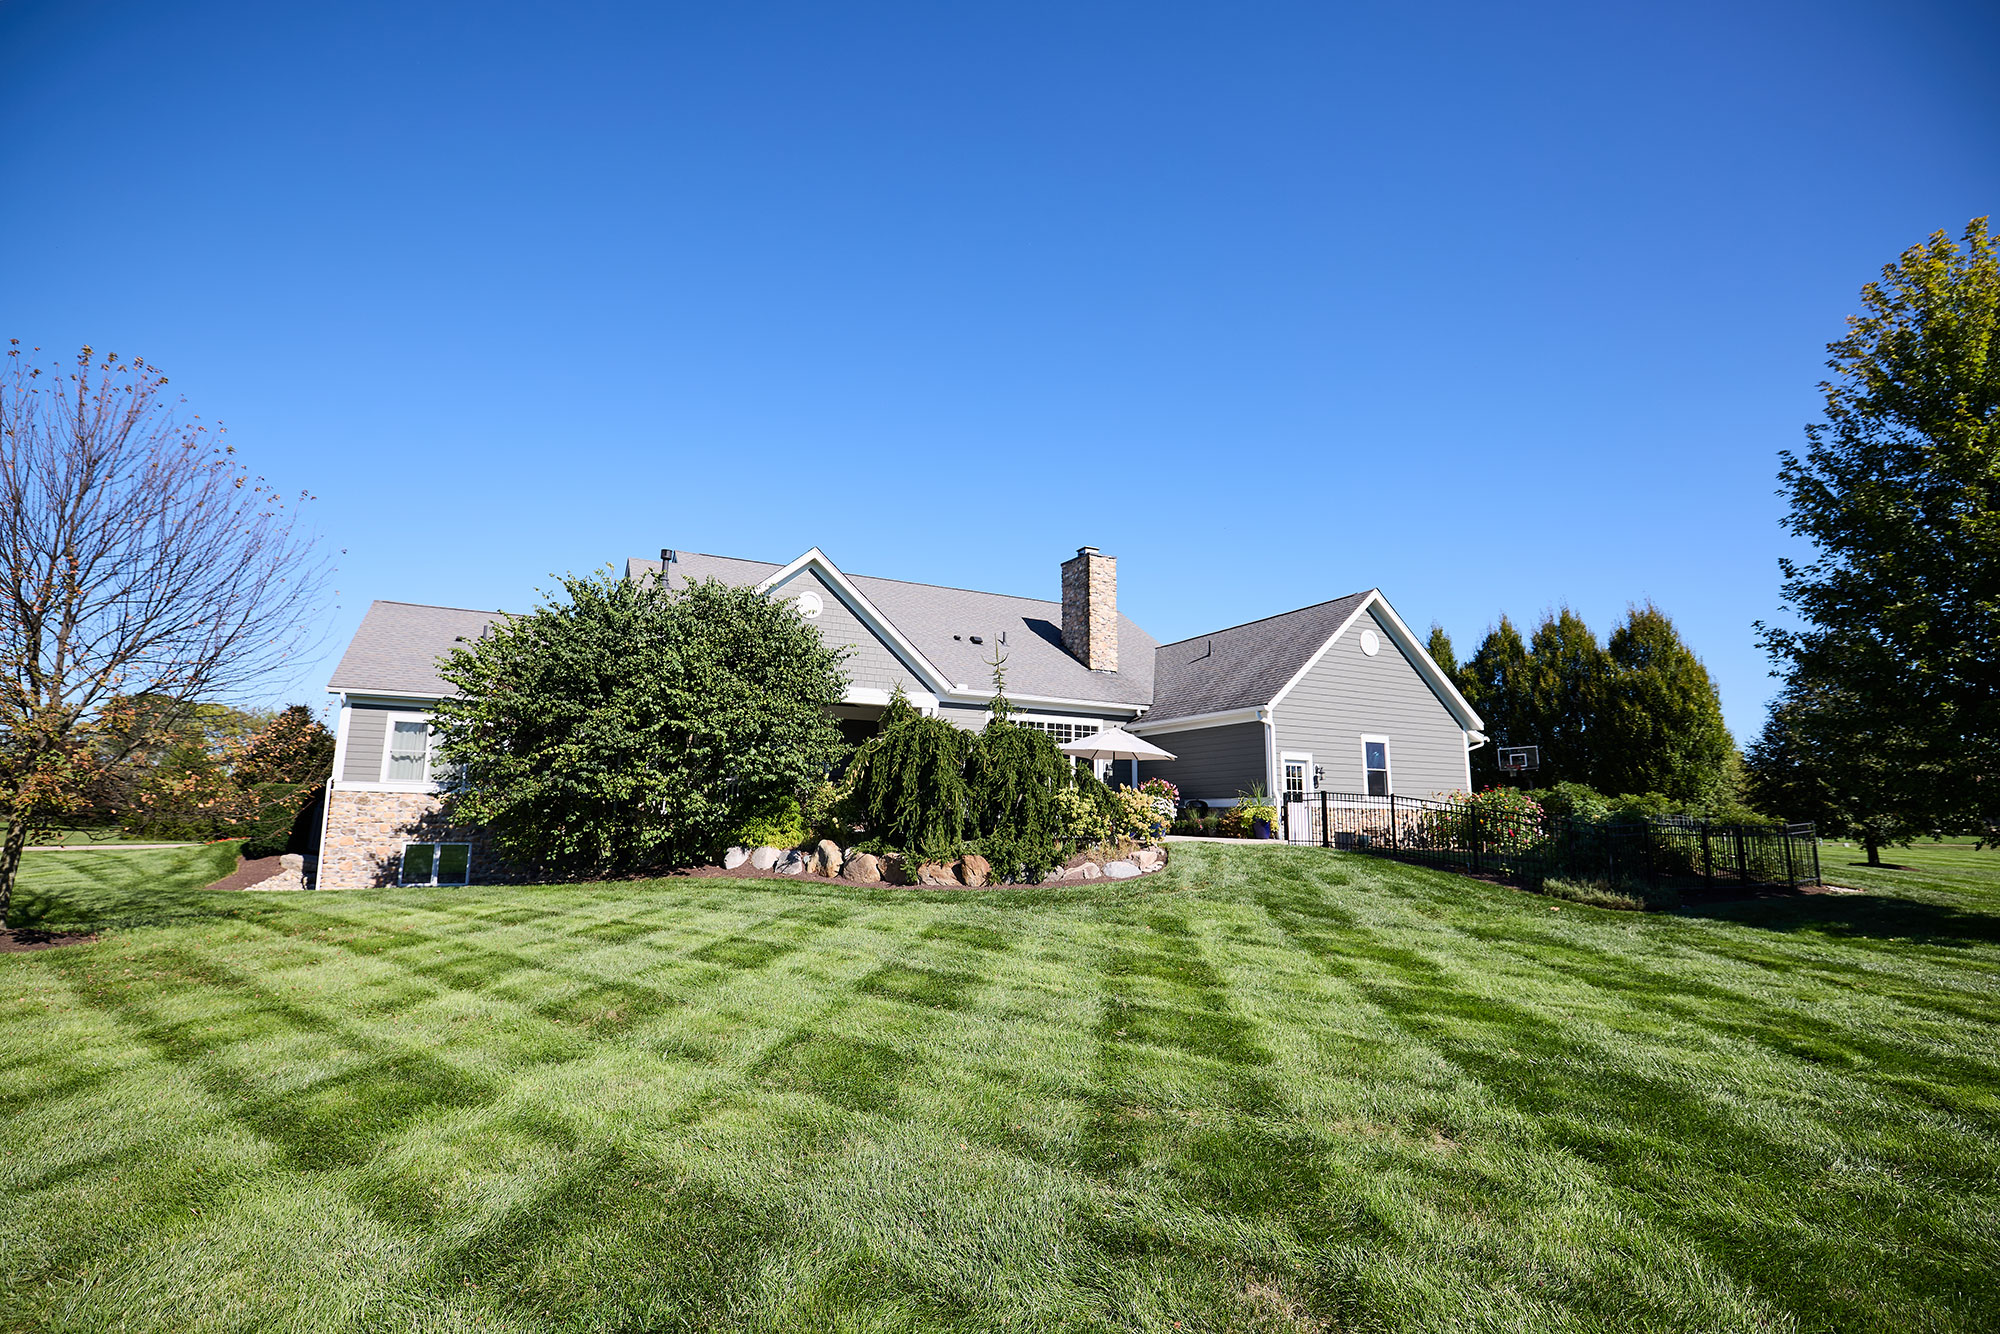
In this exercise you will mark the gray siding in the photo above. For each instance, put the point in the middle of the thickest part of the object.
(1210, 763)
(971, 717)
(367, 733)
(873, 664)
(1347, 693)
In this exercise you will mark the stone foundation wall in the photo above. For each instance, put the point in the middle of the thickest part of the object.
(366, 831)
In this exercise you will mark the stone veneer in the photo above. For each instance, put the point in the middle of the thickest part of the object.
(1090, 609)
(366, 831)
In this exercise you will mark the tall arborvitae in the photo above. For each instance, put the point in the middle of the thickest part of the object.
(1564, 691)
(1495, 682)
(1660, 728)
(1441, 651)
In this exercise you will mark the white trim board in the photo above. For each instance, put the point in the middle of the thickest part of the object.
(1226, 718)
(1456, 703)
(858, 603)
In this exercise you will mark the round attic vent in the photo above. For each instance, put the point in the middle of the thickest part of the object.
(810, 606)
(1371, 643)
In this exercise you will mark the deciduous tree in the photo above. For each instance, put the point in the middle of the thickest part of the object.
(1898, 493)
(142, 562)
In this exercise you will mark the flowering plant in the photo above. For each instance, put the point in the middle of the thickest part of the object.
(1139, 816)
(1166, 799)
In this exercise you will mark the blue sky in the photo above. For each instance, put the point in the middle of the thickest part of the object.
(1497, 308)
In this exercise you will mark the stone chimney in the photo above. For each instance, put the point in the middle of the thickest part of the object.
(1090, 609)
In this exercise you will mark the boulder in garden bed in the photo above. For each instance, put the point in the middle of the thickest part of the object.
(791, 863)
(1087, 871)
(974, 871)
(1147, 859)
(826, 858)
(1121, 870)
(935, 873)
(734, 858)
(864, 868)
(763, 859)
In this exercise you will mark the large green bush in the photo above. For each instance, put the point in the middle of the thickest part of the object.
(623, 725)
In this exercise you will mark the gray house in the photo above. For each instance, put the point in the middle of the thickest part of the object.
(1335, 697)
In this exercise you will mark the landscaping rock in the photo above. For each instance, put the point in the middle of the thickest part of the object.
(791, 863)
(763, 859)
(734, 858)
(1087, 871)
(974, 871)
(1121, 870)
(896, 870)
(864, 868)
(935, 873)
(826, 858)
(1147, 858)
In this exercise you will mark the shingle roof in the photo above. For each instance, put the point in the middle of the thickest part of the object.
(929, 615)
(399, 643)
(1244, 666)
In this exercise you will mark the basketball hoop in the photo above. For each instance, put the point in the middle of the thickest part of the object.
(1519, 759)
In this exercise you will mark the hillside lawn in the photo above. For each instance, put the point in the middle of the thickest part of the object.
(1269, 1088)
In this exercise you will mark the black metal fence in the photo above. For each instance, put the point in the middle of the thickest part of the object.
(1466, 836)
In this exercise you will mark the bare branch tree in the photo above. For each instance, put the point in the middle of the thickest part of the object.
(142, 561)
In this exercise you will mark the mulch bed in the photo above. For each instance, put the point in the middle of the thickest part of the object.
(21, 939)
(251, 871)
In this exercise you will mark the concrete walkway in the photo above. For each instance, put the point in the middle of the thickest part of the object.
(1240, 842)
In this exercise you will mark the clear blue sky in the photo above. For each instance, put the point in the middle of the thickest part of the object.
(1494, 307)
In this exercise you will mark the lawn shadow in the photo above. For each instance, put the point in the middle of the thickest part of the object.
(1860, 916)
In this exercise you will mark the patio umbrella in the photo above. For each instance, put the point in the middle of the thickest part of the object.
(1115, 744)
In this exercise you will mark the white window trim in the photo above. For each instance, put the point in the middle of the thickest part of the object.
(1302, 757)
(1388, 763)
(424, 784)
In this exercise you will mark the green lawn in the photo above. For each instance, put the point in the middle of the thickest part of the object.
(1271, 1088)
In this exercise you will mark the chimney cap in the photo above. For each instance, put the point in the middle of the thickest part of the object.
(1086, 551)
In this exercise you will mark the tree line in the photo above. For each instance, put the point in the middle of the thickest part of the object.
(1635, 715)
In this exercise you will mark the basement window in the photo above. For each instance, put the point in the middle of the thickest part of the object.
(436, 864)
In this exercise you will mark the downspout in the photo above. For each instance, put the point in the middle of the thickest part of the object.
(1473, 741)
(326, 806)
(1264, 716)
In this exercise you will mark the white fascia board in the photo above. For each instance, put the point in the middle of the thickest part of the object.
(969, 695)
(396, 696)
(424, 788)
(859, 604)
(1146, 727)
(1468, 717)
(923, 699)
(1327, 647)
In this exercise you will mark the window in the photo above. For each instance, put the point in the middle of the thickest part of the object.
(1061, 733)
(436, 864)
(409, 751)
(1375, 764)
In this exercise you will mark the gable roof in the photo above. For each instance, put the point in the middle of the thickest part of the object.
(1244, 666)
(397, 647)
(940, 622)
